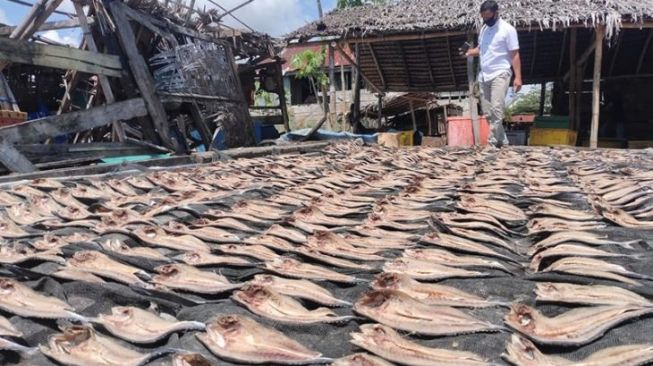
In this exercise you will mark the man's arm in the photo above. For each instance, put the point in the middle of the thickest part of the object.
(516, 65)
(473, 52)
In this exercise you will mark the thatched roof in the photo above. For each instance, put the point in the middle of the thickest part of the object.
(409, 16)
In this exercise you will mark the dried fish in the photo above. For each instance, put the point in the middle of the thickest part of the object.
(426, 270)
(563, 213)
(372, 231)
(13, 253)
(431, 294)
(239, 338)
(141, 326)
(80, 345)
(285, 233)
(313, 215)
(8, 329)
(360, 359)
(387, 343)
(260, 252)
(499, 209)
(588, 294)
(330, 243)
(226, 223)
(101, 265)
(268, 303)
(7, 345)
(21, 300)
(206, 233)
(400, 311)
(461, 244)
(199, 259)
(290, 267)
(594, 268)
(570, 250)
(188, 278)
(271, 242)
(522, 352)
(449, 259)
(117, 246)
(302, 289)
(575, 327)
(156, 237)
(9, 229)
(578, 237)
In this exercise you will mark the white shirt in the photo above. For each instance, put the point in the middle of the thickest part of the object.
(496, 43)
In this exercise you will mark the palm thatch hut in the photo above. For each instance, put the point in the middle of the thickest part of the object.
(412, 45)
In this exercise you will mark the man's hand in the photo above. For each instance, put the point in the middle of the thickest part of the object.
(516, 85)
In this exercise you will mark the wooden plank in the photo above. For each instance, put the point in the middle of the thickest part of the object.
(141, 73)
(118, 130)
(428, 62)
(615, 54)
(377, 65)
(572, 76)
(43, 128)
(57, 25)
(13, 160)
(451, 69)
(412, 115)
(202, 127)
(563, 47)
(582, 60)
(66, 58)
(282, 96)
(357, 88)
(542, 98)
(146, 22)
(596, 86)
(333, 105)
(360, 72)
(642, 56)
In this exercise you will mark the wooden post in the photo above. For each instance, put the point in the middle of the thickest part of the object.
(118, 130)
(473, 103)
(542, 98)
(345, 99)
(580, 83)
(412, 114)
(572, 77)
(332, 87)
(596, 86)
(380, 107)
(357, 89)
(429, 119)
(141, 73)
(282, 96)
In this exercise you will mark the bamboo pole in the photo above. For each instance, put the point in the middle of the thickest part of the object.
(596, 87)
(412, 115)
(572, 77)
(473, 103)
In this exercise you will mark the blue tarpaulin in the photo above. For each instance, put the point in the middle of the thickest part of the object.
(328, 135)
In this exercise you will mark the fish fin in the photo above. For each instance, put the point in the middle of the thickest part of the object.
(159, 353)
(320, 360)
(142, 275)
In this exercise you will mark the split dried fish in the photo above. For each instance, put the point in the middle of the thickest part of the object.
(563, 213)
(80, 345)
(199, 259)
(330, 243)
(522, 352)
(259, 252)
(14, 253)
(588, 295)
(290, 267)
(501, 210)
(118, 247)
(594, 268)
(226, 223)
(268, 303)
(361, 359)
(575, 327)
(272, 242)
(426, 270)
(578, 237)
(141, 326)
(302, 289)
(400, 311)
(285, 233)
(313, 215)
(190, 279)
(206, 233)
(461, 244)
(21, 300)
(239, 338)
(372, 231)
(156, 237)
(8, 329)
(449, 259)
(101, 265)
(570, 250)
(7, 345)
(387, 343)
(320, 256)
(431, 294)
(624, 219)
(9, 229)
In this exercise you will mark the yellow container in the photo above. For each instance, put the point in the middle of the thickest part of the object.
(552, 136)
(396, 139)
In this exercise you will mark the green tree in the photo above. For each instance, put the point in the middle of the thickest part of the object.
(530, 103)
(310, 65)
(351, 3)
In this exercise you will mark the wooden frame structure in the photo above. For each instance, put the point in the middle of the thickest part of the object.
(127, 98)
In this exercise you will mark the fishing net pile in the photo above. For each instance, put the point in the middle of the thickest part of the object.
(359, 255)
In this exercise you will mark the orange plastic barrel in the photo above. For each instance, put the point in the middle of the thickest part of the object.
(460, 132)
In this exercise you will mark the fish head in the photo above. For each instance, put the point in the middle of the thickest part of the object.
(521, 351)
(7, 286)
(263, 280)
(192, 257)
(71, 337)
(397, 264)
(522, 317)
(360, 359)
(376, 333)
(167, 270)
(150, 232)
(122, 313)
(374, 299)
(85, 256)
(374, 217)
(253, 294)
(386, 280)
(548, 289)
(49, 241)
(190, 359)
(114, 245)
(201, 222)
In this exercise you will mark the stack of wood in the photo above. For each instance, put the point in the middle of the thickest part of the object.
(155, 77)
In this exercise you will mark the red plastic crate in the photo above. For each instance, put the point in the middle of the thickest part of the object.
(8, 118)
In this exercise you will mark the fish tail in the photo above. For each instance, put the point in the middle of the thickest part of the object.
(630, 244)
(196, 325)
(321, 360)
(80, 318)
(343, 303)
(159, 353)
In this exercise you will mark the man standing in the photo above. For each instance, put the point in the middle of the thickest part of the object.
(498, 47)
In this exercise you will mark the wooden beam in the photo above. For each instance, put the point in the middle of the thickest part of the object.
(380, 107)
(428, 62)
(542, 98)
(282, 96)
(61, 24)
(451, 69)
(118, 130)
(357, 88)
(43, 128)
(378, 66)
(333, 105)
(404, 64)
(166, 24)
(583, 58)
(13, 160)
(534, 53)
(596, 87)
(360, 72)
(146, 22)
(642, 56)
(141, 73)
(473, 103)
(429, 119)
(615, 54)
(572, 76)
(412, 115)
(66, 58)
(563, 47)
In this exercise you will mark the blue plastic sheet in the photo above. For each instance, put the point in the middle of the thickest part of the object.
(327, 136)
